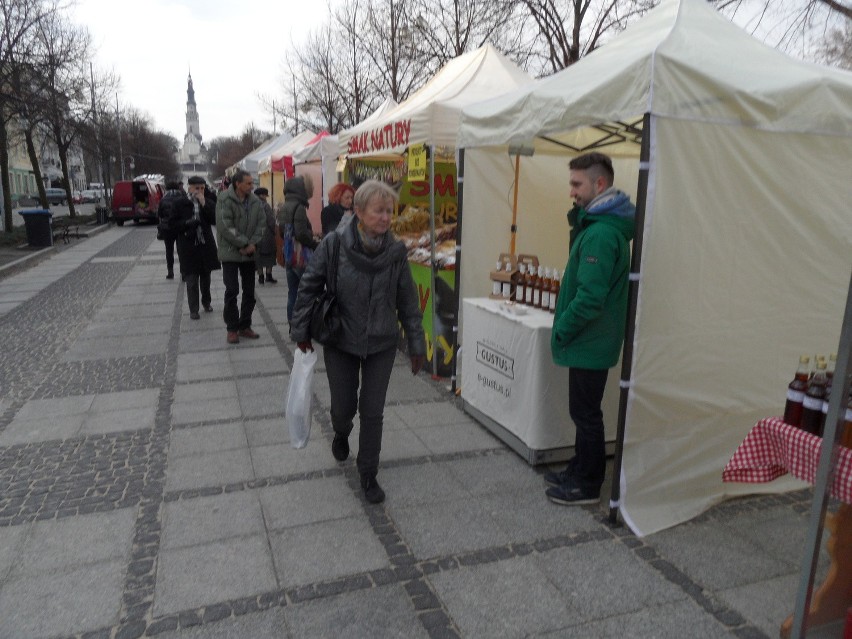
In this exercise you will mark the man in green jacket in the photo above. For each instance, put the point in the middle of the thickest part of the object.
(588, 325)
(240, 221)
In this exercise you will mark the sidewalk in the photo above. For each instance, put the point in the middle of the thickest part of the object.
(148, 488)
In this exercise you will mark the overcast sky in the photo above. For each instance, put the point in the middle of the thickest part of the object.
(235, 51)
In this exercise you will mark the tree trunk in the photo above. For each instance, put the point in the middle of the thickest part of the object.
(31, 150)
(63, 161)
(4, 176)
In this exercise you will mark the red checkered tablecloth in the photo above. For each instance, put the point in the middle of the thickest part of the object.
(773, 448)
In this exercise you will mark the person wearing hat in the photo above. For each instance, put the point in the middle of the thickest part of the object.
(192, 223)
(265, 259)
(174, 193)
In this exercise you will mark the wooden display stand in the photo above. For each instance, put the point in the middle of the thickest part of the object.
(834, 597)
(504, 276)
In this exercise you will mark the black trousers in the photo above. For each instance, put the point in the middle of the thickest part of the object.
(197, 283)
(170, 254)
(232, 274)
(343, 370)
(585, 393)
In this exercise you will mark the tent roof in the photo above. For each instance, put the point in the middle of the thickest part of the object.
(329, 146)
(682, 60)
(275, 154)
(249, 162)
(431, 114)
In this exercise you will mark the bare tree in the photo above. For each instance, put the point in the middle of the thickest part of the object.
(19, 21)
(389, 43)
(836, 50)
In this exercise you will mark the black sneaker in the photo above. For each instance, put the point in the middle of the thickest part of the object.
(570, 494)
(340, 447)
(373, 493)
(561, 477)
(208, 309)
(194, 315)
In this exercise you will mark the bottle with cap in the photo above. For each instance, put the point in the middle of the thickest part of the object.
(796, 392)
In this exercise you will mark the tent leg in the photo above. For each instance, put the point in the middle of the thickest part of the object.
(460, 195)
(630, 328)
(433, 260)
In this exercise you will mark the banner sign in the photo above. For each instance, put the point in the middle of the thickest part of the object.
(392, 136)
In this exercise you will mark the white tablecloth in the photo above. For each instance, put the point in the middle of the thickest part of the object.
(508, 373)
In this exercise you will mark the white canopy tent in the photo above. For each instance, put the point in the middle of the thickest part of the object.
(738, 158)
(274, 156)
(431, 114)
(250, 162)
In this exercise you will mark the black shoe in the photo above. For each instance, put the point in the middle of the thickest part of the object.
(571, 494)
(340, 447)
(271, 279)
(561, 477)
(373, 493)
(194, 315)
(260, 279)
(208, 309)
(170, 276)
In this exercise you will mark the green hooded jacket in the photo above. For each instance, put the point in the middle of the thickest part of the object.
(237, 227)
(591, 311)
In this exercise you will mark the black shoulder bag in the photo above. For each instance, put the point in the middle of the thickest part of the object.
(325, 322)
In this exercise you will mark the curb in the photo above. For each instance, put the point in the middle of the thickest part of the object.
(30, 256)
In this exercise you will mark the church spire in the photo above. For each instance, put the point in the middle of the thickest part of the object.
(190, 92)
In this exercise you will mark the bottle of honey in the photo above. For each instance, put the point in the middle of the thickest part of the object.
(507, 286)
(554, 290)
(847, 424)
(812, 403)
(529, 292)
(545, 290)
(520, 289)
(796, 392)
(539, 282)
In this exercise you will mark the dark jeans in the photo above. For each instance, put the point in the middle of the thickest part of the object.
(585, 393)
(170, 254)
(294, 276)
(196, 282)
(343, 372)
(232, 273)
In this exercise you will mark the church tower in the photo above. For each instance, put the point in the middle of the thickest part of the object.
(192, 156)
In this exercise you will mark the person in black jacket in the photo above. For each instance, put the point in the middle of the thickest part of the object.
(174, 192)
(293, 219)
(375, 294)
(340, 203)
(191, 221)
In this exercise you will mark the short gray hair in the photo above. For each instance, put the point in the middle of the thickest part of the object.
(372, 189)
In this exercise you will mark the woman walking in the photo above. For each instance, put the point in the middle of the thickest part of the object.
(265, 258)
(375, 291)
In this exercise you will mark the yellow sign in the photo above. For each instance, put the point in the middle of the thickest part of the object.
(417, 162)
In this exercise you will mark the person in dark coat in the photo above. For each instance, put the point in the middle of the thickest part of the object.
(340, 203)
(192, 220)
(293, 219)
(265, 258)
(174, 192)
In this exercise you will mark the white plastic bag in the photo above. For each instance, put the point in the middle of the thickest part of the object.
(299, 394)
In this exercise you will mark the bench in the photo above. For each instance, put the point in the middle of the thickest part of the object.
(62, 229)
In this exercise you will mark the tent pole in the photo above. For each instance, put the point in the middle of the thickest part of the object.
(459, 195)
(825, 471)
(433, 261)
(630, 328)
(515, 205)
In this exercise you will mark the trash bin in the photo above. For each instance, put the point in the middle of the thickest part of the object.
(102, 213)
(37, 223)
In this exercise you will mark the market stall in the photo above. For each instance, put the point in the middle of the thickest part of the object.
(721, 133)
(406, 147)
(277, 165)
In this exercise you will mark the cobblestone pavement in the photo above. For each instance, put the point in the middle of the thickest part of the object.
(148, 488)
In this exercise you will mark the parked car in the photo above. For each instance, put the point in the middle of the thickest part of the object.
(90, 197)
(56, 196)
(137, 200)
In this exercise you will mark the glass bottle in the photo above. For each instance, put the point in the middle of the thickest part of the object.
(554, 291)
(520, 289)
(495, 284)
(507, 286)
(545, 290)
(539, 280)
(529, 293)
(812, 403)
(796, 392)
(847, 424)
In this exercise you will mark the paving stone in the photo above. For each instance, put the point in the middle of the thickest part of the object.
(209, 573)
(282, 459)
(218, 390)
(378, 612)
(205, 519)
(264, 432)
(205, 411)
(315, 552)
(267, 624)
(207, 439)
(120, 420)
(209, 469)
(305, 502)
